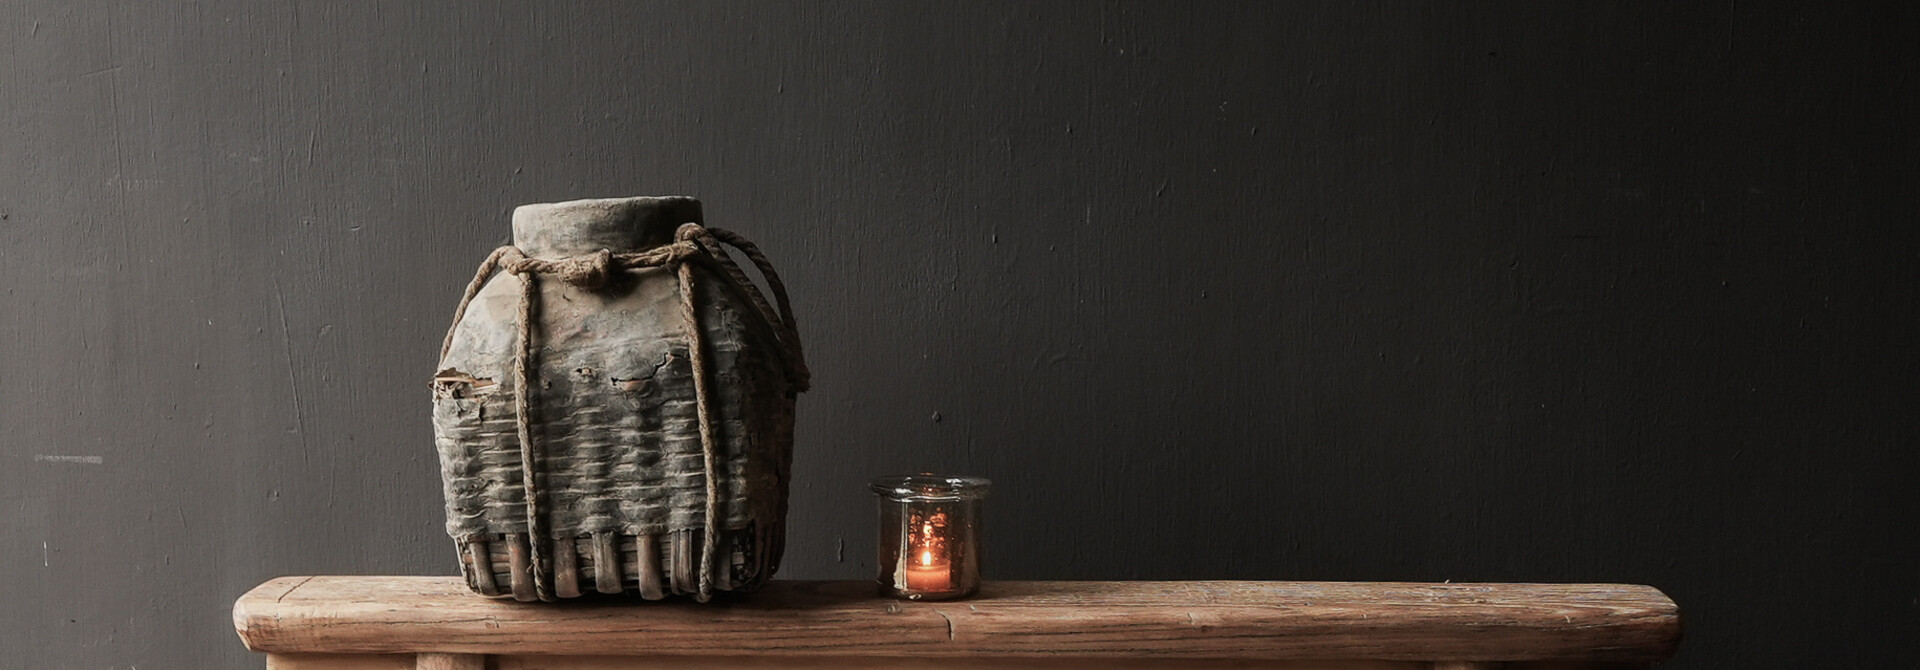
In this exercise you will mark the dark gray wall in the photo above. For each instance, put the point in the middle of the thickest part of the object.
(1533, 292)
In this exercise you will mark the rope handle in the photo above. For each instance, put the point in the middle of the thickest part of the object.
(782, 321)
(692, 242)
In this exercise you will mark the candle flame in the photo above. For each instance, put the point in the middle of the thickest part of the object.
(926, 557)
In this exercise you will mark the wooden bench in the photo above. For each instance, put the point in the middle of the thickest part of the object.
(407, 623)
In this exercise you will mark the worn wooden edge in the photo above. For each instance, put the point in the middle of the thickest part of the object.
(1193, 620)
(530, 662)
(543, 662)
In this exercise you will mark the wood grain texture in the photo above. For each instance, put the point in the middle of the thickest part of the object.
(530, 662)
(1225, 620)
(541, 662)
(550, 662)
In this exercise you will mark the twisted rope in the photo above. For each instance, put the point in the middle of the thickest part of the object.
(692, 242)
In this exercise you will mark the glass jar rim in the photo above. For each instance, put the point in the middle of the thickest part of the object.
(930, 486)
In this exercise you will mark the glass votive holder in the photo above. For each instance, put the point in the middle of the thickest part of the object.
(929, 539)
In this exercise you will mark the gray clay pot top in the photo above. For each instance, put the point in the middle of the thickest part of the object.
(562, 229)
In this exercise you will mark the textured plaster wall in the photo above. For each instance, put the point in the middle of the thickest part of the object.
(1357, 291)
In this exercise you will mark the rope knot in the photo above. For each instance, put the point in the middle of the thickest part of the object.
(589, 272)
(690, 232)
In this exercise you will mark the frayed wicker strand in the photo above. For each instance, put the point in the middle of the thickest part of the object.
(693, 242)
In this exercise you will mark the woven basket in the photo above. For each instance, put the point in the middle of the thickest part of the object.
(595, 307)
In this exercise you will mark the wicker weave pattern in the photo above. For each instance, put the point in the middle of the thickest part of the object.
(614, 414)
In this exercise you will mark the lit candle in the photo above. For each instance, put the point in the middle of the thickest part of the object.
(924, 574)
(928, 568)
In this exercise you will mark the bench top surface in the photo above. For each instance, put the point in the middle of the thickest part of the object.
(1197, 619)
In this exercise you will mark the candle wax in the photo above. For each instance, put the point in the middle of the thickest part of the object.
(923, 574)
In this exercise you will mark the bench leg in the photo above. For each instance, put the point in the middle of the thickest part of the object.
(450, 662)
(342, 662)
